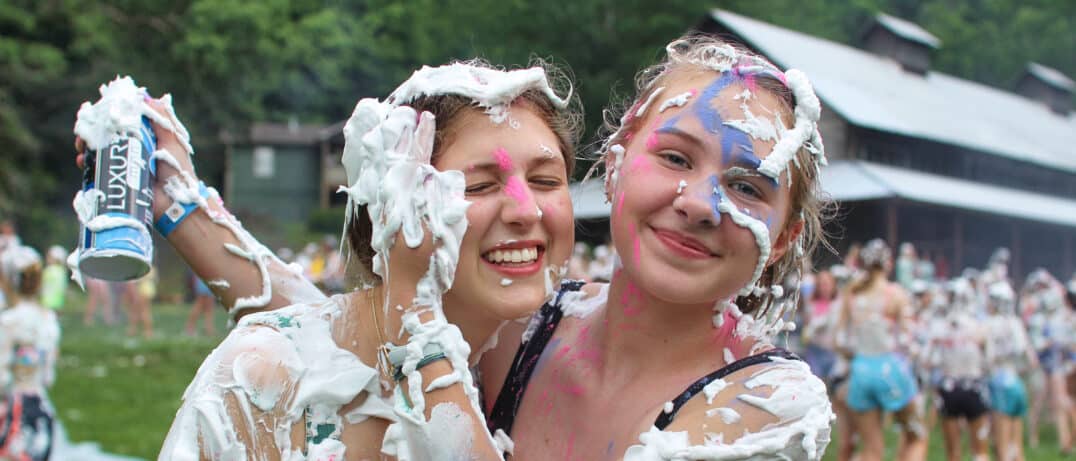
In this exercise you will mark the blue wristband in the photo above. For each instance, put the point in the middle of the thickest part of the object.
(176, 213)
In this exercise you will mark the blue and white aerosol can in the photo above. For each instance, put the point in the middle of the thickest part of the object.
(115, 242)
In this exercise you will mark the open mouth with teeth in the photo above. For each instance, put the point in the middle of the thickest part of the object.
(516, 261)
(512, 256)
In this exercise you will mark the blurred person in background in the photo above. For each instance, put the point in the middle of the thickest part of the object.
(905, 268)
(819, 325)
(29, 345)
(140, 294)
(54, 278)
(202, 307)
(875, 315)
(1011, 355)
(333, 279)
(577, 266)
(958, 351)
(98, 296)
(1050, 326)
(8, 240)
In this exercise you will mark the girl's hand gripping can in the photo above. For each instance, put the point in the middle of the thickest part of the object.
(116, 244)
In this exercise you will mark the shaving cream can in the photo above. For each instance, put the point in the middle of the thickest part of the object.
(122, 248)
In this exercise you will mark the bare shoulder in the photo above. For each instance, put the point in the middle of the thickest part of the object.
(773, 409)
(252, 395)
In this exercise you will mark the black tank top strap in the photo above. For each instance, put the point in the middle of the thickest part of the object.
(542, 327)
(664, 419)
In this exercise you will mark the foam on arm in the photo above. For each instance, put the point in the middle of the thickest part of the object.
(777, 410)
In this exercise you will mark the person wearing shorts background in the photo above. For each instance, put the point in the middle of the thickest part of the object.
(875, 317)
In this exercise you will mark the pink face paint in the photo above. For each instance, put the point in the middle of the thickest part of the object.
(639, 164)
(562, 352)
(630, 300)
(652, 138)
(504, 161)
(652, 141)
(515, 189)
(750, 83)
(634, 245)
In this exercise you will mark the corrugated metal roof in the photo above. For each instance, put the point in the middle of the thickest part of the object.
(908, 30)
(851, 180)
(1051, 76)
(857, 180)
(873, 92)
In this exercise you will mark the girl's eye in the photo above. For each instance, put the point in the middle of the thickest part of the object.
(546, 181)
(675, 159)
(479, 188)
(746, 188)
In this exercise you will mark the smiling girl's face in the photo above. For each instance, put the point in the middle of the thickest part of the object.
(686, 172)
(520, 223)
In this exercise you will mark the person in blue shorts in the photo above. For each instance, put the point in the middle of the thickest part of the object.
(875, 317)
(1010, 352)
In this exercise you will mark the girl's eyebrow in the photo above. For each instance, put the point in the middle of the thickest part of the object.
(557, 158)
(745, 163)
(673, 130)
(494, 167)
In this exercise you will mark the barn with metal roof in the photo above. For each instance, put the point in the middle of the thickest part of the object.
(956, 167)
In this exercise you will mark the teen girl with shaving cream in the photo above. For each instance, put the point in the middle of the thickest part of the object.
(29, 346)
(957, 349)
(875, 315)
(311, 380)
(713, 181)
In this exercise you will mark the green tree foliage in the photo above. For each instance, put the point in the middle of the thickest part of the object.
(230, 62)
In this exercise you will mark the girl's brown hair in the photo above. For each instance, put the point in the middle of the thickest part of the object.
(704, 53)
(28, 282)
(565, 123)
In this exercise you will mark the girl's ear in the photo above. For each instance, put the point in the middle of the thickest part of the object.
(785, 240)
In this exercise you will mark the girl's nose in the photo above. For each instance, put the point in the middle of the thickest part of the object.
(520, 206)
(698, 201)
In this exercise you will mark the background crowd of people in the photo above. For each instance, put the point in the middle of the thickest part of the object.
(981, 354)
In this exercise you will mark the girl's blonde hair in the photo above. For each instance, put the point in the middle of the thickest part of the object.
(705, 53)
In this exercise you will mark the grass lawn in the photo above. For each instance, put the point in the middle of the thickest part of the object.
(1046, 451)
(123, 392)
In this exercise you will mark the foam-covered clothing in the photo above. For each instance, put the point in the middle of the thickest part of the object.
(1007, 343)
(29, 344)
(53, 286)
(26, 430)
(286, 363)
(958, 347)
(871, 330)
(880, 382)
(806, 440)
(1052, 330)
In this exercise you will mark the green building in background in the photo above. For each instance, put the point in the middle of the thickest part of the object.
(278, 172)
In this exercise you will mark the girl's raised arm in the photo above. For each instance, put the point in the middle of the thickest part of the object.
(242, 272)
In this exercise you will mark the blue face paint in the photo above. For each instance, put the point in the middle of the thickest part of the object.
(717, 195)
(732, 139)
(747, 159)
